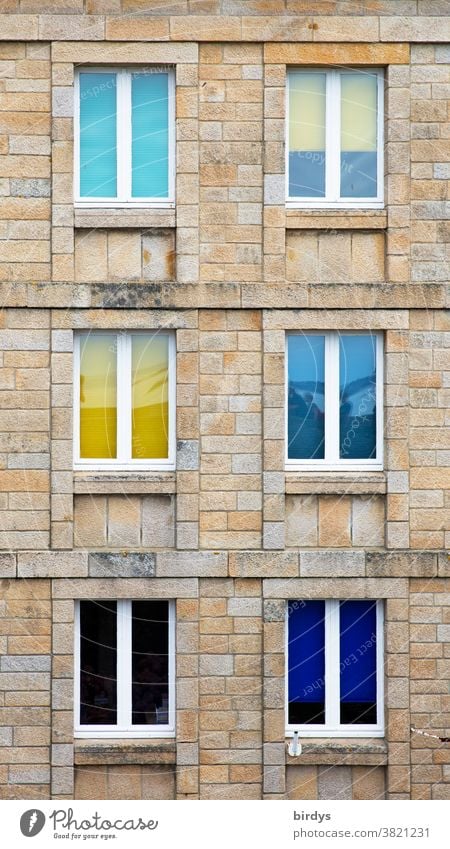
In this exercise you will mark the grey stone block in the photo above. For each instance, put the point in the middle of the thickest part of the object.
(334, 782)
(274, 753)
(244, 607)
(264, 564)
(187, 455)
(443, 633)
(273, 535)
(274, 779)
(62, 780)
(29, 774)
(274, 611)
(33, 188)
(274, 190)
(62, 754)
(401, 564)
(25, 663)
(216, 664)
(8, 565)
(29, 461)
(117, 565)
(62, 101)
(332, 564)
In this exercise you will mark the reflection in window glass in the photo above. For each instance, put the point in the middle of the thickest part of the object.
(307, 134)
(150, 403)
(150, 663)
(306, 397)
(98, 396)
(358, 663)
(357, 397)
(306, 653)
(358, 135)
(98, 663)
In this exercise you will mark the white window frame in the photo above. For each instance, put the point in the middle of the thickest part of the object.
(332, 726)
(124, 728)
(124, 461)
(332, 199)
(124, 198)
(332, 462)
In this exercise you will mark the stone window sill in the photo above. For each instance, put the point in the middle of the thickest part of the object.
(124, 483)
(151, 751)
(335, 483)
(339, 219)
(124, 218)
(341, 752)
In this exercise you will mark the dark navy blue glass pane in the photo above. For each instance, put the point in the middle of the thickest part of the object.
(357, 396)
(307, 174)
(359, 174)
(358, 662)
(306, 653)
(306, 397)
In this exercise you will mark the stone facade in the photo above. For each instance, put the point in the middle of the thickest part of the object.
(230, 535)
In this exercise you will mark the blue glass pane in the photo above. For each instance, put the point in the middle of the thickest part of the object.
(150, 135)
(307, 173)
(358, 662)
(357, 397)
(98, 145)
(306, 398)
(306, 653)
(359, 174)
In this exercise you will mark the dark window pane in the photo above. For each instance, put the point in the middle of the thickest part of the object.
(357, 397)
(306, 398)
(306, 653)
(150, 662)
(358, 662)
(98, 662)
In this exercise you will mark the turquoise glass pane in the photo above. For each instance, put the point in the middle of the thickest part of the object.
(150, 135)
(306, 397)
(357, 397)
(98, 144)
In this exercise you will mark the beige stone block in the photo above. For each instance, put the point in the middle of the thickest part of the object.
(124, 255)
(301, 521)
(158, 255)
(158, 521)
(335, 257)
(367, 258)
(368, 783)
(158, 782)
(91, 256)
(91, 782)
(334, 521)
(301, 782)
(302, 256)
(368, 521)
(124, 519)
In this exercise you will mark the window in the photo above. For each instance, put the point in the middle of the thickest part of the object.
(124, 668)
(124, 400)
(335, 138)
(334, 401)
(335, 668)
(124, 137)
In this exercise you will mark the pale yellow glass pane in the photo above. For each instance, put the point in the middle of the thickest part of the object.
(358, 112)
(307, 111)
(98, 396)
(150, 407)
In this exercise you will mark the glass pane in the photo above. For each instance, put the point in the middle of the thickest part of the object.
(98, 663)
(306, 397)
(307, 98)
(98, 396)
(358, 662)
(150, 127)
(357, 397)
(98, 144)
(306, 652)
(359, 135)
(150, 662)
(150, 413)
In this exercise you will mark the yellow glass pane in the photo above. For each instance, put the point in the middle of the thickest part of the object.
(98, 396)
(150, 397)
(358, 112)
(307, 111)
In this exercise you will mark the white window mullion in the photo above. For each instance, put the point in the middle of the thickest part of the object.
(333, 129)
(124, 664)
(332, 700)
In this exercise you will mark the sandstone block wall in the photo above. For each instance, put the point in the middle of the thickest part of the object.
(229, 535)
